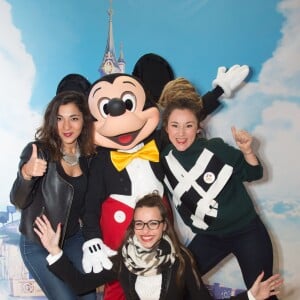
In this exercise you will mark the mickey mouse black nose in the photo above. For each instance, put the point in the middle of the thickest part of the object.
(116, 107)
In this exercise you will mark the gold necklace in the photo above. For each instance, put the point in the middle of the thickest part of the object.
(72, 159)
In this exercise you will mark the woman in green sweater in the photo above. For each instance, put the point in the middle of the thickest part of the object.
(214, 214)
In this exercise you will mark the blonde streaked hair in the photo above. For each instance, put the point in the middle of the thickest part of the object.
(178, 88)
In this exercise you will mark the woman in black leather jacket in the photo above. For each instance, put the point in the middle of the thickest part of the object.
(52, 180)
(151, 263)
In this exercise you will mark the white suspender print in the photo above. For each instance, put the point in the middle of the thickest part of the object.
(206, 205)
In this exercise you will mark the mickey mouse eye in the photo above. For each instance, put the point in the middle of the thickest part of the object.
(103, 107)
(129, 100)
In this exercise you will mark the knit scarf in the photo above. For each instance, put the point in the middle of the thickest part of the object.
(148, 262)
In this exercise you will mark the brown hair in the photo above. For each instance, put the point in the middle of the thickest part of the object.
(155, 200)
(48, 133)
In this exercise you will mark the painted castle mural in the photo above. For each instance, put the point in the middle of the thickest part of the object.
(18, 280)
(110, 64)
(35, 53)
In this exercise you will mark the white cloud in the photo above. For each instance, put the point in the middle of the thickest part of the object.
(270, 109)
(280, 74)
(279, 132)
(18, 121)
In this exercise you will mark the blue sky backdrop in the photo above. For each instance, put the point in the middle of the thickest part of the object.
(195, 36)
(42, 41)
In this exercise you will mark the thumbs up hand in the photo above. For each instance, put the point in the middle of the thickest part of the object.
(35, 166)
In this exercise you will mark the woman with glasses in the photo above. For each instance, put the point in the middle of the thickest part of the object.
(151, 264)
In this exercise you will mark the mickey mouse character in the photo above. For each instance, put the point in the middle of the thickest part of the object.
(126, 166)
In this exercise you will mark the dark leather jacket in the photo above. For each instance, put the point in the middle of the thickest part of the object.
(50, 195)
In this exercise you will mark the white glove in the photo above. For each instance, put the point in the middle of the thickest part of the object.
(229, 81)
(96, 256)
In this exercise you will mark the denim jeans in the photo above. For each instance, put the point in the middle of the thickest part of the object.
(251, 246)
(34, 257)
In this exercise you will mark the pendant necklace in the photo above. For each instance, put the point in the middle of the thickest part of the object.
(71, 159)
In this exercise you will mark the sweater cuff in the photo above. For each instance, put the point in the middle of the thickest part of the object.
(54, 258)
(250, 296)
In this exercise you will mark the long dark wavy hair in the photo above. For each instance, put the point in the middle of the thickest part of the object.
(155, 200)
(47, 134)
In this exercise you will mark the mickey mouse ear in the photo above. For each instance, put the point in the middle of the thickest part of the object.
(74, 82)
(154, 71)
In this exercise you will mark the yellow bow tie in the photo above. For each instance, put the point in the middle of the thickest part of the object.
(122, 159)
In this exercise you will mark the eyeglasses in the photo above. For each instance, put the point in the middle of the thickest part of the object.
(152, 224)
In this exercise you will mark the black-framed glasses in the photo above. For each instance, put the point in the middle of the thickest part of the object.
(152, 224)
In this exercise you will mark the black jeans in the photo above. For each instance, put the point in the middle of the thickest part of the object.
(251, 246)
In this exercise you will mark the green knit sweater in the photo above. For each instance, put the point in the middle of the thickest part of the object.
(234, 208)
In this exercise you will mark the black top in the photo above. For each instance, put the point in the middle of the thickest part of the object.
(79, 184)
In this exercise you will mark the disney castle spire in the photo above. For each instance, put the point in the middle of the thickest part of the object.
(110, 64)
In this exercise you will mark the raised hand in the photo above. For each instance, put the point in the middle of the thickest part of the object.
(243, 140)
(35, 166)
(264, 289)
(229, 80)
(49, 238)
